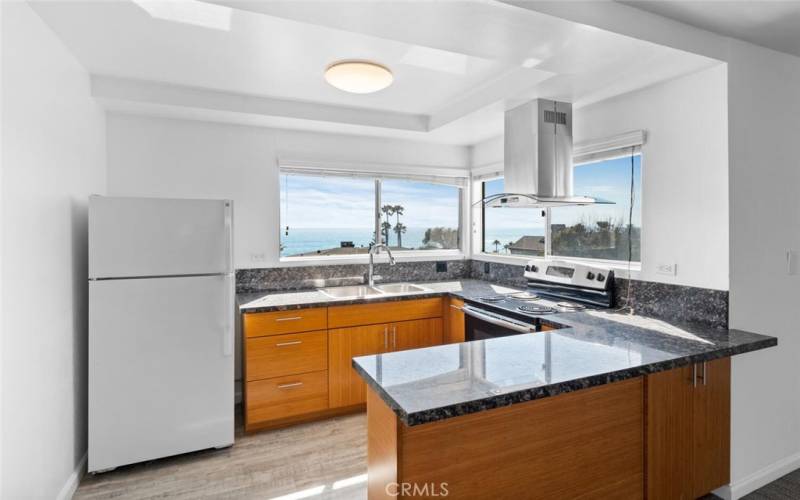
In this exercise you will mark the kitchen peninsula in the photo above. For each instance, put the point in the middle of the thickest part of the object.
(605, 405)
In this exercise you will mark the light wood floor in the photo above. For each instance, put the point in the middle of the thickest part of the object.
(303, 461)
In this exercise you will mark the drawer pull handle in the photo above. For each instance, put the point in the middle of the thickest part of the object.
(293, 318)
(289, 386)
(284, 344)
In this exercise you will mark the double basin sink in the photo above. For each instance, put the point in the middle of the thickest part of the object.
(365, 291)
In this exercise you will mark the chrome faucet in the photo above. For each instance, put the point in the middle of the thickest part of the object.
(372, 250)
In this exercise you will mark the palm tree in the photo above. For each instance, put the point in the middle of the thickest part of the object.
(506, 247)
(496, 244)
(388, 210)
(400, 228)
(398, 211)
(385, 228)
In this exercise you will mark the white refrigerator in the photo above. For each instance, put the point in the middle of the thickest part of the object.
(161, 327)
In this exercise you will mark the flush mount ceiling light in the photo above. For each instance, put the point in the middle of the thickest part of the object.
(358, 77)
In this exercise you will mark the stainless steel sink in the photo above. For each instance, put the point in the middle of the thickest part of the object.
(351, 292)
(400, 288)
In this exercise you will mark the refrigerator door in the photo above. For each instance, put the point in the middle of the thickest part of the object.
(160, 368)
(131, 237)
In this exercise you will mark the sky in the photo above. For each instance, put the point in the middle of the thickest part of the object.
(609, 180)
(347, 202)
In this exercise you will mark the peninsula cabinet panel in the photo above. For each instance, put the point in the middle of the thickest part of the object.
(688, 432)
(384, 312)
(453, 320)
(583, 444)
(416, 334)
(346, 387)
(279, 322)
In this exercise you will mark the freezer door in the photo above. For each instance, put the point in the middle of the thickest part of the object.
(158, 237)
(160, 368)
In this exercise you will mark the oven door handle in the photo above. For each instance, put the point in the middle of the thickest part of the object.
(505, 323)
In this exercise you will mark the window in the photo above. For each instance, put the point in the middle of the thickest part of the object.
(335, 215)
(601, 231)
(512, 231)
(593, 231)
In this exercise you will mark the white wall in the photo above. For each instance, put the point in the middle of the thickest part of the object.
(53, 157)
(150, 156)
(684, 171)
(764, 109)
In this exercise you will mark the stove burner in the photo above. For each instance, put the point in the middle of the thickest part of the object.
(492, 298)
(534, 309)
(525, 296)
(572, 306)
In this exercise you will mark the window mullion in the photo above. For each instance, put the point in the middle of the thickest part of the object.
(548, 249)
(377, 213)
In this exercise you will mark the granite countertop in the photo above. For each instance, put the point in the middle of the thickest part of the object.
(590, 348)
(282, 300)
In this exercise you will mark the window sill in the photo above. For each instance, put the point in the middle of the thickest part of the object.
(407, 256)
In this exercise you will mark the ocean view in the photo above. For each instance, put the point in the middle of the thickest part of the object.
(309, 240)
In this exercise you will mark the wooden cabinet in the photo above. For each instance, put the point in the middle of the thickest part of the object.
(298, 363)
(289, 354)
(416, 334)
(346, 388)
(688, 431)
(453, 318)
(278, 322)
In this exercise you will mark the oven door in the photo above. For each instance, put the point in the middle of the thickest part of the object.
(482, 324)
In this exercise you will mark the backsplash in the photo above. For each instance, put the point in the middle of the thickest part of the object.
(305, 277)
(675, 302)
(658, 300)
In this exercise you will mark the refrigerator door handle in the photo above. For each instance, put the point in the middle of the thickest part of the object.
(227, 335)
(229, 236)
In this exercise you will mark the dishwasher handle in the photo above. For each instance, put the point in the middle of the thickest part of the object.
(498, 321)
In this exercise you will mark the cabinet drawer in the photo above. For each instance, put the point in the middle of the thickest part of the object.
(384, 312)
(278, 322)
(288, 396)
(279, 355)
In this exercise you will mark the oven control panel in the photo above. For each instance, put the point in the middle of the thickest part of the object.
(568, 273)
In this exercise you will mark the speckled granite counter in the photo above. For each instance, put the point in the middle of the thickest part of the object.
(282, 301)
(590, 348)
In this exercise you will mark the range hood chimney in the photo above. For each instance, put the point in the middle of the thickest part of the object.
(538, 157)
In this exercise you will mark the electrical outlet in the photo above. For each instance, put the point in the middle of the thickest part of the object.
(486, 268)
(668, 269)
(258, 257)
(441, 266)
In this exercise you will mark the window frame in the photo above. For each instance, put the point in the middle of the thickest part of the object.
(406, 255)
(613, 147)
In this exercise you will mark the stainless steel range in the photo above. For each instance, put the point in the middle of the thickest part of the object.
(553, 287)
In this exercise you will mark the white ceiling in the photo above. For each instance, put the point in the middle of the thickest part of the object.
(772, 24)
(457, 65)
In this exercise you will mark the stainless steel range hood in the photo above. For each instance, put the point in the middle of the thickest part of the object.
(538, 158)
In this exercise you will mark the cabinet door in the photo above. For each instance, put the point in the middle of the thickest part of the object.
(712, 426)
(669, 434)
(346, 387)
(416, 334)
(453, 321)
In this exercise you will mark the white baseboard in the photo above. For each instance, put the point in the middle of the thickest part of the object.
(762, 477)
(73, 480)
